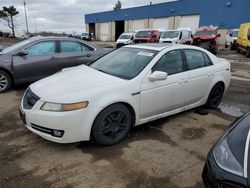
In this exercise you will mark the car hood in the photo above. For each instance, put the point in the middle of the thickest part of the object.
(71, 84)
(122, 40)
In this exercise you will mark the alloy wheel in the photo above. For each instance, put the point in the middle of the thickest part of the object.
(3, 82)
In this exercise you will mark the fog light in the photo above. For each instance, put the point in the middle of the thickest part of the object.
(58, 133)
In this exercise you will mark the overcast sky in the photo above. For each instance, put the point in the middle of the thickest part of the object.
(63, 15)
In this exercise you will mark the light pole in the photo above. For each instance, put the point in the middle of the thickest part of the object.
(25, 12)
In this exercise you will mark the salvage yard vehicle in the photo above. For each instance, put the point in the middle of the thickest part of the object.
(125, 39)
(147, 36)
(244, 39)
(179, 36)
(127, 87)
(38, 57)
(228, 161)
(231, 39)
(207, 38)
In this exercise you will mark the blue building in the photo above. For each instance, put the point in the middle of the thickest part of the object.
(225, 14)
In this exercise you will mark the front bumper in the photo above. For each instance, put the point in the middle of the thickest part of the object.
(75, 125)
(215, 177)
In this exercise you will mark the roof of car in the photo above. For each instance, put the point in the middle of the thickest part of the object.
(151, 46)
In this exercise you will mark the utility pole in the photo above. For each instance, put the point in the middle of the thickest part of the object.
(25, 12)
(35, 25)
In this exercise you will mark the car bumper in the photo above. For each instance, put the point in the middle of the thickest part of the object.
(215, 177)
(75, 125)
(118, 45)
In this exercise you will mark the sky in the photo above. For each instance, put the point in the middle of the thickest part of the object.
(62, 15)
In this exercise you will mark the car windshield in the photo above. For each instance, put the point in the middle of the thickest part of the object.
(85, 34)
(235, 33)
(143, 33)
(125, 63)
(204, 33)
(125, 36)
(170, 34)
(15, 46)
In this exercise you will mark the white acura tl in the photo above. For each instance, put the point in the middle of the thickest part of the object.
(130, 86)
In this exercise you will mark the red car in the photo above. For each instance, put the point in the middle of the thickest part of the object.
(207, 38)
(146, 36)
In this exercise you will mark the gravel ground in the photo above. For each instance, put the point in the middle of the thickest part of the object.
(169, 152)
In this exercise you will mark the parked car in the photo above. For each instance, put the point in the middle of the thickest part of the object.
(125, 39)
(38, 57)
(231, 39)
(1, 34)
(147, 36)
(207, 38)
(179, 36)
(127, 87)
(244, 39)
(228, 161)
(86, 36)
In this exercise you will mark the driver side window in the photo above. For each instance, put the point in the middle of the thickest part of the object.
(42, 48)
(170, 63)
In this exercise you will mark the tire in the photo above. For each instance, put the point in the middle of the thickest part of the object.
(248, 52)
(215, 96)
(112, 125)
(5, 81)
(238, 49)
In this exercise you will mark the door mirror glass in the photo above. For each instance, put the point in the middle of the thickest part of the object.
(158, 76)
(154, 36)
(218, 35)
(230, 34)
(22, 53)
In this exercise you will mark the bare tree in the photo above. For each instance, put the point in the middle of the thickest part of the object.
(7, 14)
(118, 5)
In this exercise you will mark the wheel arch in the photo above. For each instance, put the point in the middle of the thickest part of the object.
(9, 73)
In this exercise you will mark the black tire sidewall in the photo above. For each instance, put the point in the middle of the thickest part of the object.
(100, 139)
(209, 102)
(9, 80)
(248, 52)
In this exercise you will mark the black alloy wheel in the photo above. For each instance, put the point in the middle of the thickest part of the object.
(215, 96)
(112, 125)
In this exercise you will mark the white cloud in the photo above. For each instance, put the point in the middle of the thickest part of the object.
(63, 16)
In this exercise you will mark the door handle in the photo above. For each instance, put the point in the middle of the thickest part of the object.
(52, 58)
(88, 55)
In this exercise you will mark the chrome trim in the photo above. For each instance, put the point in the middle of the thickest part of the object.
(246, 154)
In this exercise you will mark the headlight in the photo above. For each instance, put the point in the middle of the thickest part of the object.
(226, 160)
(63, 107)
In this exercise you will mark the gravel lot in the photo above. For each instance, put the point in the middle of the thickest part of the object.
(169, 152)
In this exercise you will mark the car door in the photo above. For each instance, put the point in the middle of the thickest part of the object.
(73, 53)
(41, 61)
(199, 76)
(159, 97)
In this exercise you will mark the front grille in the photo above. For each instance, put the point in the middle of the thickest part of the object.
(29, 99)
(140, 41)
(167, 42)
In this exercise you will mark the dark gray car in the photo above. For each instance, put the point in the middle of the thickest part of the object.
(39, 57)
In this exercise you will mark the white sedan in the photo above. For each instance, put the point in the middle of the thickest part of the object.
(128, 87)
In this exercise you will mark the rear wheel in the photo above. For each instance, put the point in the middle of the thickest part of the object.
(248, 52)
(112, 125)
(5, 81)
(215, 96)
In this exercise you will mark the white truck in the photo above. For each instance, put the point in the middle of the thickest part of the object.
(178, 36)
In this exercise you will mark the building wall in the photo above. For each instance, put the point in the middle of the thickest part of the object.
(212, 12)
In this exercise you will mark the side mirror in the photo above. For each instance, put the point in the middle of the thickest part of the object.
(158, 76)
(180, 35)
(154, 36)
(248, 37)
(230, 34)
(218, 35)
(22, 53)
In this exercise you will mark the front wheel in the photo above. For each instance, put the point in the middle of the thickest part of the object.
(5, 81)
(215, 96)
(112, 125)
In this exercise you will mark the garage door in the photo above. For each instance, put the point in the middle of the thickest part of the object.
(137, 25)
(161, 23)
(104, 31)
(191, 21)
